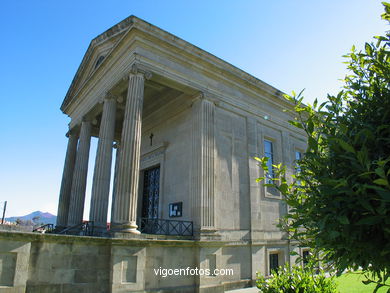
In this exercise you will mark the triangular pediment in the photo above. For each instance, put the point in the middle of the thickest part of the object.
(99, 48)
(98, 54)
(142, 39)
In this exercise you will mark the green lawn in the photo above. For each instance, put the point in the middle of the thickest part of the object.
(352, 283)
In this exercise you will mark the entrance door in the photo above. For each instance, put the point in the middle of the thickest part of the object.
(151, 192)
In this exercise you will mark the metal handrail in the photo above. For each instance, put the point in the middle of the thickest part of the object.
(84, 229)
(44, 228)
(166, 227)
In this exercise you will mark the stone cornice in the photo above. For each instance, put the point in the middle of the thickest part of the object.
(198, 52)
(206, 97)
(217, 63)
(137, 68)
(112, 32)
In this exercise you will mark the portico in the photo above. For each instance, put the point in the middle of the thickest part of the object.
(116, 120)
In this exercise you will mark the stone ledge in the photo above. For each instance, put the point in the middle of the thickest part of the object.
(133, 240)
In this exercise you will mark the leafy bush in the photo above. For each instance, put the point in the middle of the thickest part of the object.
(296, 280)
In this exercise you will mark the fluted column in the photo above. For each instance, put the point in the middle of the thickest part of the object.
(102, 173)
(202, 165)
(125, 204)
(66, 183)
(79, 181)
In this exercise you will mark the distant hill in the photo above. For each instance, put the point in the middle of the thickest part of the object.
(45, 218)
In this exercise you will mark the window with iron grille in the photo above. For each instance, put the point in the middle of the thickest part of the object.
(273, 262)
(305, 257)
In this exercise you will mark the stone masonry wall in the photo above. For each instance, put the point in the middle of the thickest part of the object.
(31, 262)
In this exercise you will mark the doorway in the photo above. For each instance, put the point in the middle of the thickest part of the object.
(151, 193)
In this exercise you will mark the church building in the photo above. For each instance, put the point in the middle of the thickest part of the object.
(177, 131)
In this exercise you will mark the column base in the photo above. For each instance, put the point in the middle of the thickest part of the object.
(209, 234)
(125, 228)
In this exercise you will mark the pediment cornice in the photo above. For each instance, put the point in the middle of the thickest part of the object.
(114, 32)
(181, 49)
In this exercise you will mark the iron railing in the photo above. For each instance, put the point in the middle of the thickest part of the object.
(165, 227)
(83, 229)
(47, 228)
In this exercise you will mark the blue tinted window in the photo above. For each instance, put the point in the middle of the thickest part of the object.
(298, 156)
(268, 152)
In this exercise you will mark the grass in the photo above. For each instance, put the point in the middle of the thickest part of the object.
(352, 283)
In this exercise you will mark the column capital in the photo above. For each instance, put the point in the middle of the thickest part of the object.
(137, 69)
(110, 96)
(86, 119)
(71, 131)
(206, 97)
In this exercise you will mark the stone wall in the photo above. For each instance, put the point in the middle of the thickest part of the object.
(31, 262)
(170, 151)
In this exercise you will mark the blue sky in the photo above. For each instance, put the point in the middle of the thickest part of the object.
(289, 44)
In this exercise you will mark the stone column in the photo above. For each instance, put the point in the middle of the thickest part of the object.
(102, 172)
(79, 182)
(202, 165)
(66, 183)
(125, 204)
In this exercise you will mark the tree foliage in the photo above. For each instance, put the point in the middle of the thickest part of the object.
(340, 199)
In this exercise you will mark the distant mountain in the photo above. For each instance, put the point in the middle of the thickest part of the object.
(38, 216)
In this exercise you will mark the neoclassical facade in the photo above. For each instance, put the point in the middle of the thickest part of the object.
(181, 128)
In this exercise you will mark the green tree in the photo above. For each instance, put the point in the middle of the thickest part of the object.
(340, 199)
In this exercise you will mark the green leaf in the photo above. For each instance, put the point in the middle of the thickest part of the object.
(347, 147)
(343, 220)
(368, 49)
(381, 172)
(269, 185)
(381, 181)
(315, 103)
(369, 220)
(384, 194)
(295, 123)
(333, 234)
(283, 188)
(310, 126)
(258, 159)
